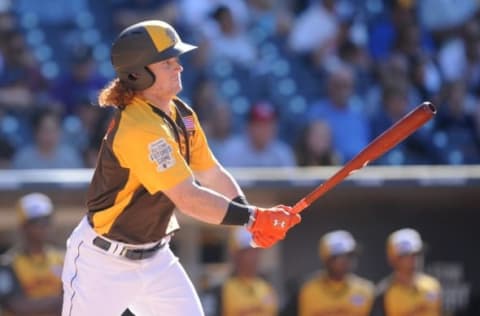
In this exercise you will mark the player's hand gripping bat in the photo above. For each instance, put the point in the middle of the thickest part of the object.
(406, 126)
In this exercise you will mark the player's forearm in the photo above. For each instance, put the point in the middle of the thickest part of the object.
(199, 202)
(219, 180)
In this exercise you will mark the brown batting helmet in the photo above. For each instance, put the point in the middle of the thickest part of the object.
(142, 44)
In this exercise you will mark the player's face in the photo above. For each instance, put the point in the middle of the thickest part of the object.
(408, 263)
(262, 133)
(339, 266)
(246, 261)
(168, 82)
(37, 230)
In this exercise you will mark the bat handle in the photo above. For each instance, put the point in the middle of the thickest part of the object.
(300, 206)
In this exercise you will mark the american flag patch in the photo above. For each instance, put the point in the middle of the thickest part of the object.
(189, 123)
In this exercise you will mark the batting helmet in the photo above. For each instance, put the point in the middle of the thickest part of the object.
(335, 243)
(404, 242)
(143, 44)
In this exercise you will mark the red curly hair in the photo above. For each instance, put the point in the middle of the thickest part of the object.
(115, 94)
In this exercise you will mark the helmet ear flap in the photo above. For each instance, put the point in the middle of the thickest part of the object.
(139, 79)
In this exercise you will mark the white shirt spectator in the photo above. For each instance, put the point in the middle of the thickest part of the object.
(315, 27)
(229, 40)
(196, 12)
(444, 14)
(452, 59)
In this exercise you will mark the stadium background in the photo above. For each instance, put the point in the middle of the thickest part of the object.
(55, 55)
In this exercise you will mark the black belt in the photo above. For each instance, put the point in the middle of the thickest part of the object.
(134, 254)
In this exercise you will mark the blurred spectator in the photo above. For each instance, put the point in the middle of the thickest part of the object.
(219, 129)
(314, 147)
(416, 149)
(268, 19)
(407, 291)
(83, 82)
(457, 127)
(53, 12)
(315, 30)
(356, 56)
(21, 78)
(96, 136)
(244, 292)
(6, 153)
(129, 12)
(80, 125)
(425, 78)
(30, 271)
(440, 15)
(260, 146)
(395, 72)
(46, 150)
(348, 123)
(204, 98)
(452, 58)
(228, 40)
(335, 291)
(196, 12)
(395, 28)
(472, 42)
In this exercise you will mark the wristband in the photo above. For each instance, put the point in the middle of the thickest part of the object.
(237, 214)
(241, 200)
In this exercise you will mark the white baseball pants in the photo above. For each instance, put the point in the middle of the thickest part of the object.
(97, 282)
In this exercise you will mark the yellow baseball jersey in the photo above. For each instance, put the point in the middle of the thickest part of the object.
(33, 276)
(241, 297)
(253, 297)
(144, 152)
(423, 299)
(322, 296)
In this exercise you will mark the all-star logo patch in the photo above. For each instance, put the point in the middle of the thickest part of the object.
(161, 153)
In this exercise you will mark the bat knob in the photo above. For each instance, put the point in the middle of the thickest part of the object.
(429, 106)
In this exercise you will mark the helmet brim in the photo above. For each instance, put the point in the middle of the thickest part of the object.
(173, 51)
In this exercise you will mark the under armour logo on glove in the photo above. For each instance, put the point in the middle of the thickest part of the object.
(268, 226)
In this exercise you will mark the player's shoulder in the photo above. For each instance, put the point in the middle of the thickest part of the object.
(427, 281)
(263, 284)
(311, 281)
(137, 125)
(55, 253)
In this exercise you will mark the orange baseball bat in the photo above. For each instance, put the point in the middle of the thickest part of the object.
(406, 126)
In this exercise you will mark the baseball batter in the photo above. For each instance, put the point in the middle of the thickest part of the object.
(154, 158)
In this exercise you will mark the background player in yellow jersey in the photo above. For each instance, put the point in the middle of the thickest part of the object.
(154, 158)
(30, 272)
(245, 292)
(408, 291)
(336, 291)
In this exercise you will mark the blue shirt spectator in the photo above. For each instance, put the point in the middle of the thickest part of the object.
(350, 132)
